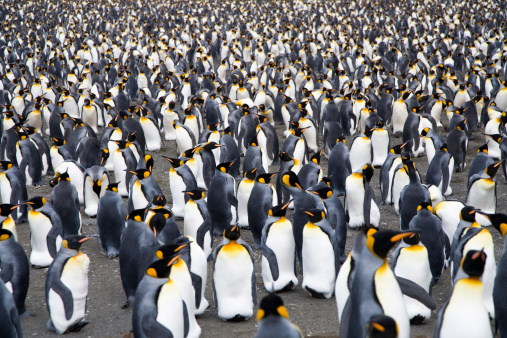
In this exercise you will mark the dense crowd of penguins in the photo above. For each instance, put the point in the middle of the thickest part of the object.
(89, 89)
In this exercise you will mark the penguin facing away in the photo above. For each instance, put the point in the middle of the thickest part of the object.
(273, 319)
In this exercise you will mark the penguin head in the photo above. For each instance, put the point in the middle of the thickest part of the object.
(322, 192)
(224, 167)
(298, 131)
(227, 131)
(483, 149)
(341, 139)
(279, 210)
(141, 173)
(316, 157)
(175, 162)
(161, 268)
(380, 242)
(250, 174)
(272, 305)
(189, 153)
(315, 215)
(6, 165)
(425, 206)
(5, 234)
(157, 222)
(159, 200)
(291, 180)
(444, 147)
(196, 194)
(177, 247)
(29, 130)
(492, 169)
(113, 187)
(397, 148)
(368, 131)
(499, 221)
(262, 119)
(211, 145)
(137, 215)
(74, 242)
(468, 214)
(232, 233)
(213, 126)
(285, 157)
(461, 125)
(63, 176)
(36, 202)
(381, 326)
(264, 178)
(253, 141)
(6, 209)
(132, 137)
(473, 263)
(368, 170)
(413, 239)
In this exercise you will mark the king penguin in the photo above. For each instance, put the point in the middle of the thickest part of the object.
(243, 192)
(273, 319)
(10, 325)
(111, 219)
(360, 206)
(262, 199)
(197, 220)
(222, 201)
(66, 204)
(181, 178)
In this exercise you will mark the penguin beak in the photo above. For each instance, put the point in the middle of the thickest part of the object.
(287, 204)
(308, 213)
(299, 186)
(398, 237)
(84, 239)
(15, 206)
(173, 260)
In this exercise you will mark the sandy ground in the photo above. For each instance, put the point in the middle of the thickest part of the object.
(315, 317)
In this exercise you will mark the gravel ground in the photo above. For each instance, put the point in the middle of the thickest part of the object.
(315, 317)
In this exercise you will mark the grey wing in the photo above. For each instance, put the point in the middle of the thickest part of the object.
(413, 290)
(197, 284)
(65, 294)
(254, 284)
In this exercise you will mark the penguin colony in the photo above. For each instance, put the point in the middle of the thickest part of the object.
(287, 128)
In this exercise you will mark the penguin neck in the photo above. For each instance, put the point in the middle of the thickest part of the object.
(69, 252)
(475, 225)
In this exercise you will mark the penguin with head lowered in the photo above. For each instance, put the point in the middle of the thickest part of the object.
(233, 260)
(262, 198)
(111, 218)
(222, 201)
(278, 262)
(13, 190)
(273, 319)
(67, 287)
(96, 180)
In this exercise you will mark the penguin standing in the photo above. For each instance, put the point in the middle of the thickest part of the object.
(159, 310)
(412, 195)
(339, 167)
(360, 206)
(482, 189)
(457, 142)
(197, 220)
(321, 255)
(96, 180)
(181, 179)
(45, 232)
(222, 201)
(142, 190)
(311, 173)
(464, 314)
(243, 192)
(440, 171)
(124, 162)
(111, 218)
(361, 150)
(67, 287)
(13, 190)
(274, 321)
(387, 170)
(262, 199)
(9, 317)
(255, 157)
(234, 283)
(278, 251)
(66, 204)
(379, 144)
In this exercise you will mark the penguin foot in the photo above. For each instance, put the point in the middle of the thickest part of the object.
(237, 318)
(417, 320)
(50, 326)
(27, 314)
(128, 304)
(287, 287)
(94, 216)
(38, 267)
(315, 294)
(76, 327)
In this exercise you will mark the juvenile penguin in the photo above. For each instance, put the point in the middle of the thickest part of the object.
(197, 220)
(181, 178)
(159, 310)
(67, 287)
(111, 219)
(274, 321)
(360, 206)
(320, 254)
(222, 201)
(244, 190)
(262, 199)
(234, 285)
(278, 251)
(464, 314)
(45, 232)
(66, 204)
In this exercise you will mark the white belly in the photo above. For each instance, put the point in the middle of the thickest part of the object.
(380, 146)
(5, 189)
(137, 195)
(91, 200)
(170, 309)
(482, 195)
(119, 167)
(360, 153)
(318, 261)
(181, 276)
(400, 115)
(40, 226)
(169, 132)
(244, 190)
(177, 186)
(192, 219)
(152, 135)
(341, 288)
(399, 182)
(199, 267)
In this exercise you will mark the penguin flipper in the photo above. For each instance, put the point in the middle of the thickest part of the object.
(254, 288)
(152, 328)
(15, 321)
(6, 273)
(186, 321)
(366, 203)
(64, 293)
(445, 175)
(197, 284)
(51, 240)
(273, 263)
(413, 290)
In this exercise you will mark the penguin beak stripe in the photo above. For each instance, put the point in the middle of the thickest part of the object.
(309, 213)
(16, 206)
(180, 247)
(398, 237)
(173, 260)
(286, 204)
(84, 239)
(299, 186)
(378, 327)
(496, 165)
(234, 228)
(29, 203)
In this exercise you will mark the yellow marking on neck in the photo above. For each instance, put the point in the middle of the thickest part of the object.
(233, 248)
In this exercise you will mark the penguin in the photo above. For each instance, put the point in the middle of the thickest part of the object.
(255, 157)
(381, 326)
(457, 142)
(159, 309)
(13, 190)
(295, 145)
(268, 140)
(151, 131)
(59, 152)
(111, 219)
(243, 192)
(185, 139)
(222, 201)
(96, 180)
(387, 172)
(229, 152)
(432, 237)
(311, 173)
(181, 179)
(233, 260)
(400, 114)
(6, 221)
(15, 272)
(410, 261)
(379, 144)
(29, 161)
(67, 287)
(278, 261)
(66, 204)
(197, 220)
(449, 212)
(339, 167)
(142, 189)
(169, 116)
(45, 232)
(440, 171)
(412, 195)
(273, 319)
(465, 302)
(75, 172)
(432, 142)
(10, 325)
(482, 189)
(360, 152)
(320, 254)
(480, 162)
(124, 162)
(360, 206)
(262, 198)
